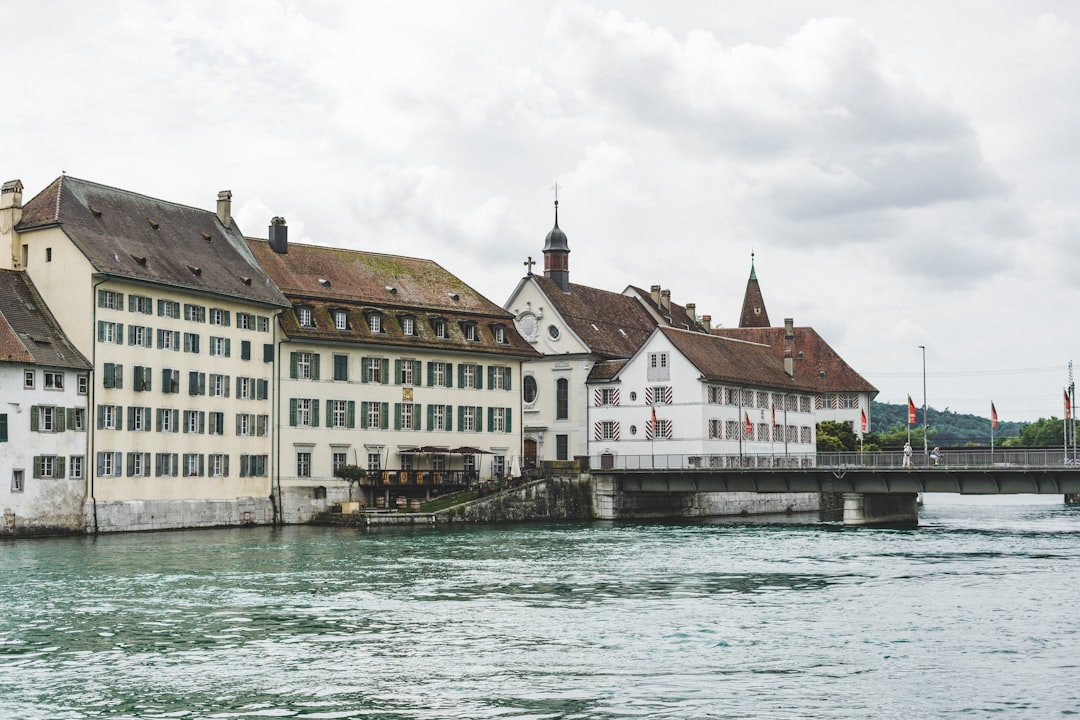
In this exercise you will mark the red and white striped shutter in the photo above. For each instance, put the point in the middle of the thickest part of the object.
(598, 431)
(648, 395)
(597, 397)
(648, 430)
(615, 396)
(668, 394)
(615, 430)
(667, 429)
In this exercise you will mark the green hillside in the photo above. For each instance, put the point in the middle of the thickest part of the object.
(947, 428)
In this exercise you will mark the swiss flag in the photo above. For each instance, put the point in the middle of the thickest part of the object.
(993, 415)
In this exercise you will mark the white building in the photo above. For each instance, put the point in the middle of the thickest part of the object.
(44, 384)
(176, 317)
(392, 364)
(688, 398)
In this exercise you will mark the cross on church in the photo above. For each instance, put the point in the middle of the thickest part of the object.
(529, 264)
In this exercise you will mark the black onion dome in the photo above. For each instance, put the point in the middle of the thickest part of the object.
(556, 239)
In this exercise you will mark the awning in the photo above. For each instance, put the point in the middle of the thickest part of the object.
(470, 451)
(434, 449)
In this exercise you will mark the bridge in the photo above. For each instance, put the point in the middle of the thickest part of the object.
(878, 488)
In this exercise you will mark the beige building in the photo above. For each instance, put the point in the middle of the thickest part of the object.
(392, 364)
(178, 320)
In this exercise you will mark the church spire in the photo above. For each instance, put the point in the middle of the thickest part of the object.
(557, 253)
(753, 307)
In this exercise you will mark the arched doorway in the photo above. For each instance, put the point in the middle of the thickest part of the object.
(528, 459)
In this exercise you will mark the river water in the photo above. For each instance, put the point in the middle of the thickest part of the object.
(974, 614)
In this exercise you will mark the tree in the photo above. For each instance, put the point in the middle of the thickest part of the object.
(1044, 432)
(352, 474)
(836, 437)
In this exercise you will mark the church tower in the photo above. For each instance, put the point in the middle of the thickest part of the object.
(753, 305)
(557, 255)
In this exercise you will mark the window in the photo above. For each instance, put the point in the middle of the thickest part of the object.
(194, 422)
(262, 425)
(168, 309)
(659, 394)
(658, 366)
(608, 430)
(78, 419)
(28, 379)
(406, 372)
(45, 466)
(110, 300)
(562, 447)
(716, 429)
(141, 378)
(244, 388)
(193, 464)
(168, 340)
(562, 399)
(498, 419)
(108, 464)
(139, 419)
(528, 384)
(500, 337)
(245, 321)
(498, 466)
(45, 420)
(303, 363)
(408, 326)
(263, 323)
(140, 304)
(219, 385)
(262, 389)
(196, 383)
(303, 412)
(245, 349)
(217, 423)
(342, 413)
(762, 399)
(553, 332)
(303, 464)
(219, 317)
(304, 317)
(374, 322)
(219, 465)
(170, 380)
(245, 424)
(437, 417)
(608, 396)
(338, 460)
(373, 413)
(166, 464)
(662, 430)
(17, 483)
(76, 465)
(374, 462)
(219, 346)
(468, 329)
(405, 416)
(138, 464)
(341, 368)
(253, 465)
(140, 336)
(195, 313)
(467, 421)
(804, 403)
(112, 375)
(110, 332)
(168, 420)
(373, 370)
(498, 378)
(84, 384)
(439, 374)
(108, 417)
(3, 427)
(54, 381)
(438, 326)
(191, 343)
(468, 374)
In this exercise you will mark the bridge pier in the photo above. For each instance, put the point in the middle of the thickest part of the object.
(1072, 498)
(881, 509)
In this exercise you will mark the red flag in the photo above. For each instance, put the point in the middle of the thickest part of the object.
(749, 427)
(774, 416)
(863, 413)
(654, 420)
(910, 411)
(993, 415)
(1068, 406)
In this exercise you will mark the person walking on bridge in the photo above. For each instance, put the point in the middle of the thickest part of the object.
(907, 454)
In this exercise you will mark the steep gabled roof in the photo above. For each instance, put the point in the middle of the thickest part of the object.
(329, 279)
(754, 314)
(816, 363)
(128, 235)
(612, 325)
(28, 331)
(674, 314)
(727, 360)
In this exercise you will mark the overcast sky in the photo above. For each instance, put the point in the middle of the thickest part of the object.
(906, 172)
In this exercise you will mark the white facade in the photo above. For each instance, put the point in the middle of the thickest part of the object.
(43, 448)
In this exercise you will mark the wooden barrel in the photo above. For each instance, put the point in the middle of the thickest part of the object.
(414, 505)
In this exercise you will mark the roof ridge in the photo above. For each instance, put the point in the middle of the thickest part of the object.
(353, 250)
(131, 193)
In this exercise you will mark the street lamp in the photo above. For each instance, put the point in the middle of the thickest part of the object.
(924, 423)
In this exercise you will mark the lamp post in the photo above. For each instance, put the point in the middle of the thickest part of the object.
(924, 423)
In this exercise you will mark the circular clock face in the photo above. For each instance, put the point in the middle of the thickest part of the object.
(527, 325)
(553, 332)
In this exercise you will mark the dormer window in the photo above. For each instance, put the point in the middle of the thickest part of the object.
(438, 326)
(500, 333)
(468, 329)
(408, 325)
(374, 321)
(341, 320)
(304, 317)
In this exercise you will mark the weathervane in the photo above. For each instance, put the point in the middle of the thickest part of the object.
(555, 187)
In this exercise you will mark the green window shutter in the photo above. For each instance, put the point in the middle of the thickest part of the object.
(202, 465)
(243, 465)
(292, 365)
(69, 416)
(351, 413)
(449, 374)
(479, 419)
(363, 414)
(131, 421)
(37, 466)
(100, 416)
(461, 375)
(119, 333)
(228, 347)
(148, 379)
(397, 416)
(238, 416)
(118, 376)
(417, 424)
(192, 382)
(509, 424)
(226, 314)
(509, 377)
(386, 371)
(384, 416)
(131, 334)
(479, 377)
(315, 366)
(130, 463)
(430, 416)
(61, 463)
(165, 375)
(161, 308)
(292, 412)
(245, 349)
(3, 428)
(202, 383)
(491, 376)
(397, 371)
(491, 419)
(329, 413)
(61, 416)
(430, 375)
(268, 352)
(449, 418)
(225, 467)
(314, 413)
(202, 422)
(461, 416)
(365, 363)
(35, 413)
(101, 331)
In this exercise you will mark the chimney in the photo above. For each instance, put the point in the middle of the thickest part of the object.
(10, 215)
(691, 312)
(789, 328)
(665, 300)
(654, 292)
(706, 320)
(224, 207)
(789, 364)
(279, 236)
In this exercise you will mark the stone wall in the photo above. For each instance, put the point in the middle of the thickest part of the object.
(140, 515)
(613, 505)
(559, 498)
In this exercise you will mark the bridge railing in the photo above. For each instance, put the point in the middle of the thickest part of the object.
(974, 458)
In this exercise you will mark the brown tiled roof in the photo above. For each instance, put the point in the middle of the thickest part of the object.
(606, 370)
(328, 279)
(28, 331)
(611, 324)
(811, 357)
(722, 359)
(677, 316)
(752, 300)
(125, 234)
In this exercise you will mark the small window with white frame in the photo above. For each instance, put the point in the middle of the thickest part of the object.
(408, 325)
(374, 321)
(438, 326)
(304, 316)
(341, 319)
(54, 380)
(28, 379)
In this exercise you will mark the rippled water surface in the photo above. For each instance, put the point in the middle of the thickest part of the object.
(974, 614)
